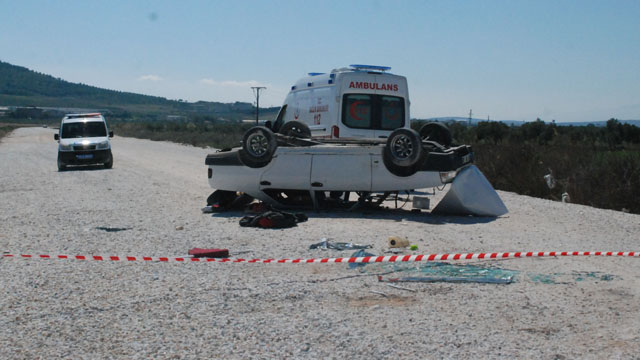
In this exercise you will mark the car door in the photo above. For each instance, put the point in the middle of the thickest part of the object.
(341, 172)
(290, 168)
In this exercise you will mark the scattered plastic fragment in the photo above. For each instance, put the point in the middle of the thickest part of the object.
(325, 244)
(471, 194)
(209, 253)
(359, 253)
(481, 280)
(111, 229)
(454, 273)
(398, 242)
(207, 209)
(399, 287)
(379, 293)
(564, 278)
(413, 247)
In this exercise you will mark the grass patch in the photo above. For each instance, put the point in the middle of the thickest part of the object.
(5, 129)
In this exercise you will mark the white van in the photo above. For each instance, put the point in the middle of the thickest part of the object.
(361, 101)
(83, 139)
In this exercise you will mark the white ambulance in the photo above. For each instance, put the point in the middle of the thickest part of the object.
(361, 101)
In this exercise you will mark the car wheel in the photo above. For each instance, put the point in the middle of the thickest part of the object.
(109, 163)
(403, 152)
(296, 129)
(437, 132)
(258, 146)
(61, 165)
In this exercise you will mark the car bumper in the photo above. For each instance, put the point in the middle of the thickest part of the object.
(453, 159)
(84, 157)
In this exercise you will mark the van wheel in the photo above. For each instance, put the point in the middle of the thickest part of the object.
(296, 129)
(61, 165)
(258, 146)
(403, 152)
(109, 163)
(437, 132)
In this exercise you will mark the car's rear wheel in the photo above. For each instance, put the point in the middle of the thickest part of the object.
(437, 132)
(258, 145)
(403, 152)
(296, 129)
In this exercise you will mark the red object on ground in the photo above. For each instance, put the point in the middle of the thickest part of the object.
(209, 253)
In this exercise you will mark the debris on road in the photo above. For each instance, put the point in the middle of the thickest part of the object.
(481, 280)
(471, 194)
(209, 253)
(112, 229)
(359, 253)
(326, 244)
(401, 288)
(398, 242)
(273, 220)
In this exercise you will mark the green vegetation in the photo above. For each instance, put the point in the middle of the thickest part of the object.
(196, 133)
(596, 166)
(5, 129)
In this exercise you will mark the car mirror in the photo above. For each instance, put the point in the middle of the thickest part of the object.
(268, 125)
(56, 137)
(110, 133)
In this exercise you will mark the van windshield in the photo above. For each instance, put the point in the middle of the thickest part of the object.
(83, 129)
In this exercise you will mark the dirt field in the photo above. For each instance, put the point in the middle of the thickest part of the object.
(556, 308)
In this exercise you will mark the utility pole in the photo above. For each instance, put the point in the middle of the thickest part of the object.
(256, 91)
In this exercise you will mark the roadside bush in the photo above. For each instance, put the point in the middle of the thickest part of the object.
(216, 135)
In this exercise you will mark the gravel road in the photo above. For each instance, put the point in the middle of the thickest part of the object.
(557, 307)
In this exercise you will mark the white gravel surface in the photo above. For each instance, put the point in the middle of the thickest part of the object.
(75, 309)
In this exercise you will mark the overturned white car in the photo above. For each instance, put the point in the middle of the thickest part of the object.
(284, 170)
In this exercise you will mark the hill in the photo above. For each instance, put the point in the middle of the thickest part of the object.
(22, 87)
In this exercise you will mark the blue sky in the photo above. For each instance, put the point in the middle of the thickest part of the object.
(507, 60)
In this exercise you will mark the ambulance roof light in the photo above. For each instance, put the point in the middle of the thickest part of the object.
(315, 73)
(361, 67)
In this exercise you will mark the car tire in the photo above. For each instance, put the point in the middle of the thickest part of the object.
(403, 152)
(437, 132)
(295, 129)
(258, 145)
(109, 163)
(61, 165)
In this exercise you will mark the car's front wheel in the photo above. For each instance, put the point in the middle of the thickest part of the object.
(403, 152)
(109, 163)
(61, 165)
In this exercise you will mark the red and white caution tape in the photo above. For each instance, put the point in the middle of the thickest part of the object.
(364, 259)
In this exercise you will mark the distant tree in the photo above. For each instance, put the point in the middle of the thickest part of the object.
(491, 130)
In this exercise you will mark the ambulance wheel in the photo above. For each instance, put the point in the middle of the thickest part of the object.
(296, 129)
(258, 146)
(437, 132)
(403, 152)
